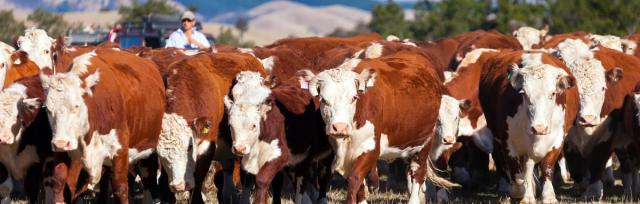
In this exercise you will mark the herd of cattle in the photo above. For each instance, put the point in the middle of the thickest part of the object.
(102, 121)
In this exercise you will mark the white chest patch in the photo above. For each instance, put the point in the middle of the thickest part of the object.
(262, 153)
(348, 149)
(101, 149)
(173, 148)
(521, 143)
(135, 155)
(388, 153)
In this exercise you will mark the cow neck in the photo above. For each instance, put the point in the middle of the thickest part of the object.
(34, 90)
(26, 68)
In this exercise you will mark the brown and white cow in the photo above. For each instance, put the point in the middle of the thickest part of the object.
(39, 45)
(106, 110)
(530, 38)
(274, 128)
(530, 104)
(407, 90)
(193, 121)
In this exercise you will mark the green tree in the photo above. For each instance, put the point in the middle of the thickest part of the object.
(512, 14)
(616, 17)
(448, 18)
(388, 19)
(11, 28)
(54, 24)
(136, 12)
(226, 37)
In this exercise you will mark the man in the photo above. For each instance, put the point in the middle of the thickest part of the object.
(188, 37)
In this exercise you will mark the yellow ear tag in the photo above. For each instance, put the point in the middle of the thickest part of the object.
(205, 130)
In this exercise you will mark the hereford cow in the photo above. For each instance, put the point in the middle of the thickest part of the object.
(39, 45)
(528, 118)
(274, 128)
(195, 115)
(107, 109)
(353, 99)
(530, 38)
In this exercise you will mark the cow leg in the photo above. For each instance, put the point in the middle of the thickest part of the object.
(548, 166)
(564, 173)
(202, 169)
(529, 182)
(518, 187)
(415, 176)
(324, 179)
(263, 180)
(374, 179)
(597, 161)
(120, 171)
(607, 178)
(6, 186)
(276, 188)
(576, 166)
(355, 178)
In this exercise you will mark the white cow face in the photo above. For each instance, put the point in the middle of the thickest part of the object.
(608, 41)
(532, 82)
(247, 110)
(12, 100)
(66, 108)
(338, 90)
(449, 118)
(628, 46)
(5, 60)
(528, 36)
(591, 79)
(38, 45)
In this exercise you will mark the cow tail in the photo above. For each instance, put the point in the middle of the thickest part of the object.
(433, 177)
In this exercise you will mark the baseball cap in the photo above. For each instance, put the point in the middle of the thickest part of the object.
(188, 15)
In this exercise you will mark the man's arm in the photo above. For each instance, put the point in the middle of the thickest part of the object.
(171, 41)
(201, 41)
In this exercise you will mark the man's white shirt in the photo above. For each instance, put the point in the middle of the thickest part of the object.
(179, 40)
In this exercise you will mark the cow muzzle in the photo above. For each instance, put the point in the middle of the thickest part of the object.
(339, 130)
(448, 140)
(588, 120)
(540, 129)
(61, 145)
(6, 139)
(239, 150)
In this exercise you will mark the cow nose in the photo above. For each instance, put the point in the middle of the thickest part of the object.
(448, 140)
(6, 139)
(61, 145)
(587, 120)
(239, 149)
(179, 187)
(339, 128)
(540, 129)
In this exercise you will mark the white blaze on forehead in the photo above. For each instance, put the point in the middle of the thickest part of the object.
(337, 88)
(608, 41)
(589, 74)
(448, 118)
(68, 113)
(472, 57)
(248, 108)
(538, 83)
(262, 153)
(528, 36)
(177, 159)
(38, 45)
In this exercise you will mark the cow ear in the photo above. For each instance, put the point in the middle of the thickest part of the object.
(566, 82)
(90, 82)
(515, 79)
(228, 102)
(636, 90)
(465, 104)
(614, 75)
(366, 79)
(19, 57)
(267, 63)
(304, 77)
(544, 31)
(515, 33)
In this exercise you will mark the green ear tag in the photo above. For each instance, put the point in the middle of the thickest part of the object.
(509, 75)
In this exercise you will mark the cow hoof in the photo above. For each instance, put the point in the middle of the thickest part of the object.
(593, 192)
(528, 200)
(517, 191)
(323, 201)
(549, 200)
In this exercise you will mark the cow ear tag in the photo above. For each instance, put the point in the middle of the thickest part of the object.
(509, 75)
(205, 130)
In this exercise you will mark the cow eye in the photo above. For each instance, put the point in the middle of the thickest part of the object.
(46, 52)
(2, 65)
